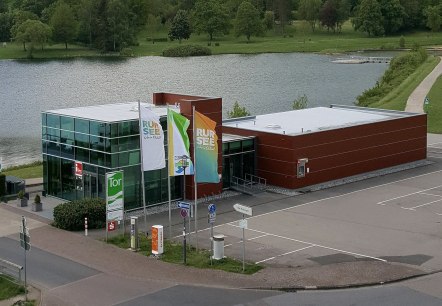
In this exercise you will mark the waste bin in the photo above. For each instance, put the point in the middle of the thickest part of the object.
(218, 247)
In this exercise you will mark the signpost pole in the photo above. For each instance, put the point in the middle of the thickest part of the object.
(184, 241)
(24, 229)
(243, 246)
(211, 243)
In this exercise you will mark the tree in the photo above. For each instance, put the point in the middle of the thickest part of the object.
(412, 14)
(118, 25)
(33, 32)
(6, 21)
(392, 14)
(64, 24)
(328, 15)
(269, 20)
(309, 11)
(300, 102)
(247, 21)
(432, 14)
(180, 28)
(237, 111)
(369, 18)
(153, 26)
(282, 11)
(210, 17)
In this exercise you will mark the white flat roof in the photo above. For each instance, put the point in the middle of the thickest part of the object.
(108, 112)
(311, 120)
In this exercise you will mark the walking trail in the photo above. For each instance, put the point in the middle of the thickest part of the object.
(415, 103)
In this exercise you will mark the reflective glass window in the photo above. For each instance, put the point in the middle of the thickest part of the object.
(97, 128)
(82, 154)
(247, 145)
(97, 158)
(124, 128)
(67, 123)
(234, 147)
(82, 140)
(53, 134)
(67, 151)
(67, 137)
(82, 126)
(53, 148)
(53, 121)
(43, 119)
(97, 143)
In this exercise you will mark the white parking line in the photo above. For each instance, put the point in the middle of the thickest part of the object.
(312, 244)
(406, 195)
(425, 204)
(291, 252)
(431, 194)
(227, 245)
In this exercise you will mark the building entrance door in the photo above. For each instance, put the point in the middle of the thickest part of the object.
(90, 185)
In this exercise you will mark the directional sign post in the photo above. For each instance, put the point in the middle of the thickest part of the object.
(25, 240)
(184, 212)
(244, 210)
(211, 220)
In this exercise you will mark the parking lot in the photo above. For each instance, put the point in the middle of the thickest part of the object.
(397, 222)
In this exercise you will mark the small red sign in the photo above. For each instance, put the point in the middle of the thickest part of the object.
(112, 225)
(78, 168)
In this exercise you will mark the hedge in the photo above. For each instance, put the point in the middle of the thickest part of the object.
(187, 50)
(70, 216)
(2, 185)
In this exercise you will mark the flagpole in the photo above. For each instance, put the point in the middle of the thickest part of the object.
(194, 179)
(168, 175)
(142, 165)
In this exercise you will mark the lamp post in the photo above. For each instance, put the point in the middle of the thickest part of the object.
(184, 165)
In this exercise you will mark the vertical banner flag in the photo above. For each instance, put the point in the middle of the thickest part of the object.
(178, 143)
(114, 192)
(152, 140)
(206, 149)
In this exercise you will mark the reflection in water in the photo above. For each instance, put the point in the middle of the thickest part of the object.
(263, 83)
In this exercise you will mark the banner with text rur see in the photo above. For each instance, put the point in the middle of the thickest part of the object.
(152, 140)
(206, 149)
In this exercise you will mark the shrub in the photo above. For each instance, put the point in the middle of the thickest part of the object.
(21, 194)
(128, 52)
(37, 199)
(402, 42)
(159, 39)
(2, 184)
(187, 50)
(217, 44)
(70, 216)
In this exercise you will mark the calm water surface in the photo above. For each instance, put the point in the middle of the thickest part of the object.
(262, 83)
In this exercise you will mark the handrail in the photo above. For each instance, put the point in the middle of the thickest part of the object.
(4, 264)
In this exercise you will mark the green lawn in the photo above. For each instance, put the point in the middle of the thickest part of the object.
(8, 289)
(397, 98)
(32, 170)
(434, 109)
(298, 38)
(199, 259)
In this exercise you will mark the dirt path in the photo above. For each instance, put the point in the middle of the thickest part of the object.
(415, 103)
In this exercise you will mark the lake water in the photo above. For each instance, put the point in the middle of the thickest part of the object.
(263, 83)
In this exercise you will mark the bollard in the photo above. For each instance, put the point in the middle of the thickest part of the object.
(85, 226)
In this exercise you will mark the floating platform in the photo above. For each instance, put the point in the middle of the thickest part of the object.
(362, 60)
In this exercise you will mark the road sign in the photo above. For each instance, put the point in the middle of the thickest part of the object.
(24, 245)
(212, 208)
(427, 101)
(112, 225)
(243, 223)
(184, 212)
(211, 218)
(184, 205)
(246, 210)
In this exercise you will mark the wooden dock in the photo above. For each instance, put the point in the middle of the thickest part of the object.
(362, 60)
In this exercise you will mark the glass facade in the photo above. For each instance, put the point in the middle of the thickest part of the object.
(238, 159)
(101, 147)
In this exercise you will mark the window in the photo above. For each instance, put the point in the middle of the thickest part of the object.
(97, 128)
(82, 126)
(67, 123)
(53, 121)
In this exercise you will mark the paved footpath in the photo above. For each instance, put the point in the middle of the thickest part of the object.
(415, 103)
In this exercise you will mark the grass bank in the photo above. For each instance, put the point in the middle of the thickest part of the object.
(298, 38)
(9, 289)
(434, 108)
(198, 259)
(397, 98)
(32, 170)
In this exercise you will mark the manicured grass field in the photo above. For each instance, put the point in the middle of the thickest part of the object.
(397, 98)
(434, 109)
(297, 38)
(33, 170)
(199, 259)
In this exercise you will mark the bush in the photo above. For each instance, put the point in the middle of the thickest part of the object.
(37, 199)
(70, 216)
(2, 184)
(402, 42)
(128, 52)
(159, 39)
(217, 44)
(401, 67)
(187, 50)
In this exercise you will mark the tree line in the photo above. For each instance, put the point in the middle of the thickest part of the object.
(111, 25)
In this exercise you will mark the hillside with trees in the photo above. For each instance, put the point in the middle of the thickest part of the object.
(112, 25)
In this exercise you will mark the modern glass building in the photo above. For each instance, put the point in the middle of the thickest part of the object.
(99, 139)
(80, 145)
